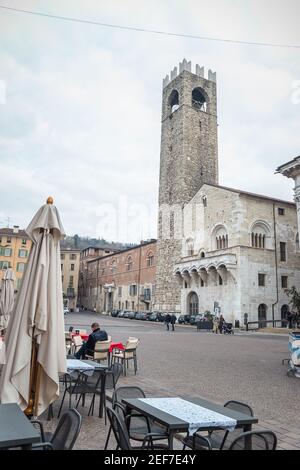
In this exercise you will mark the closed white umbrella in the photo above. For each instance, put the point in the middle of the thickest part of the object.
(7, 297)
(35, 342)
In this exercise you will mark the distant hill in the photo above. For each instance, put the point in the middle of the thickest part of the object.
(80, 243)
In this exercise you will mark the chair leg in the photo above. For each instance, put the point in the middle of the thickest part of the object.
(91, 408)
(62, 402)
(135, 364)
(78, 401)
(107, 439)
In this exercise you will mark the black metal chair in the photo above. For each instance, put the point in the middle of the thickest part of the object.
(112, 376)
(218, 438)
(75, 386)
(258, 440)
(118, 426)
(138, 426)
(65, 434)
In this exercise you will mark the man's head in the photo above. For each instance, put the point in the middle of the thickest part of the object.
(95, 326)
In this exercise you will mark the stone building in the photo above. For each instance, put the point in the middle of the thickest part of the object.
(14, 251)
(70, 260)
(239, 255)
(218, 249)
(122, 280)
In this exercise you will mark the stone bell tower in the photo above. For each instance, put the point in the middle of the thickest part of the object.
(188, 158)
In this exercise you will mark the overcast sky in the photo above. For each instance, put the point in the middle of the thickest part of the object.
(80, 115)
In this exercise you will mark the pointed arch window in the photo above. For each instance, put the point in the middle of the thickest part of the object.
(129, 263)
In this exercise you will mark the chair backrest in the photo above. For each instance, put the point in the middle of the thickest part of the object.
(126, 392)
(101, 350)
(119, 429)
(259, 440)
(71, 329)
(67, 430)
(112, 375)
(131, 344)
(102, 346)
(77, 340)
(109, 338)
(240, 407)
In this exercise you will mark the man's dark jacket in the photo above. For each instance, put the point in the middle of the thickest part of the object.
(97, 335)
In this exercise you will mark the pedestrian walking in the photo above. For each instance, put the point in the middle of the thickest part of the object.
(221, 323)
(173, 321)
(216, 324)
(167, 321)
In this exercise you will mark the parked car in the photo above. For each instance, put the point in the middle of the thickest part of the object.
(114, 313)
(186, 319)
(131, 315)
(138, 315)
(126, 314)
(192, 319)
(121, 314)
(153, 317)
(160, 316)
(144, 316)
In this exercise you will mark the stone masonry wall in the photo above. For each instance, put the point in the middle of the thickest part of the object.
(188, 159)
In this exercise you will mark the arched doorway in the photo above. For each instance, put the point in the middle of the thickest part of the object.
(284, 313)
(262, 315)
(193, 304)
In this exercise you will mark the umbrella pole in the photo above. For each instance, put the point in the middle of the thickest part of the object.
(31, 409)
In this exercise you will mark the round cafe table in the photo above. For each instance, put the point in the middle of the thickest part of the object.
(116, 346)
(83, 337)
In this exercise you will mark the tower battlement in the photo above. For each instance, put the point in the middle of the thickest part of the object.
(185, 65)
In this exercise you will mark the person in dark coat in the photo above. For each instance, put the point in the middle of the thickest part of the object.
(89, 346)
(173, 321)
(221, 323)
(168, 320)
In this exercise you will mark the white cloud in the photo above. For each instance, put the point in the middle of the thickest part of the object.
(82, 115)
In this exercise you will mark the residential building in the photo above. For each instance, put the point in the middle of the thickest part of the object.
(86, 255)
(70, 262)
(122, 280)
(14, 251)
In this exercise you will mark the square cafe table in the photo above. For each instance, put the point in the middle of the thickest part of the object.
(16, 429)
(175, 425)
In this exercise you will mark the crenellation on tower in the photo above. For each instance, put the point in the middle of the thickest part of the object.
(185, 65)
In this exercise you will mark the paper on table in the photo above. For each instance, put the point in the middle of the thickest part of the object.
(195, 415)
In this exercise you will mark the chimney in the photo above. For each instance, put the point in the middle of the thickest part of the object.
(16, 229)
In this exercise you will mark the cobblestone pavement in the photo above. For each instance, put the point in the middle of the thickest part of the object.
(244, 367)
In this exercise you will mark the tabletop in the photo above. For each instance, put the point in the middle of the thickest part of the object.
(175, 423)
(84, 364)
(15, 428)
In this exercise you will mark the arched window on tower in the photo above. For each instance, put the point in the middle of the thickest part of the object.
(174, 101)
(199, 100)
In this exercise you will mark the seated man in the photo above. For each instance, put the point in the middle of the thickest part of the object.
(89, 346)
